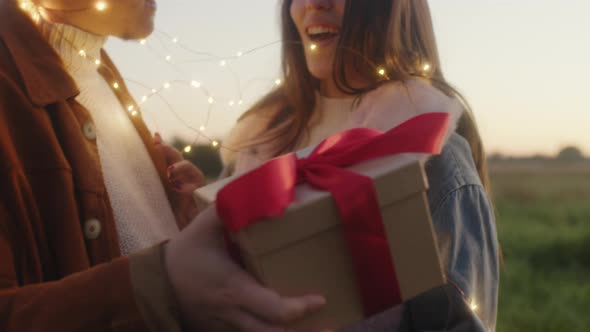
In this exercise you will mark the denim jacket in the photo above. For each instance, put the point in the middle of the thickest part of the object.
(464, 221)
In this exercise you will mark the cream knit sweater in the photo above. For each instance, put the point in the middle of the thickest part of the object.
(141, 209)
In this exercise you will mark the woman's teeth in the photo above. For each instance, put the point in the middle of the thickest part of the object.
(319, 33)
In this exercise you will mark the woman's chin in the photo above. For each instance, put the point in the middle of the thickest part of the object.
(321, 72)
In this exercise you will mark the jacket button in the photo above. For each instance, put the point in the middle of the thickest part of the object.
(89, 130)
(92, 229)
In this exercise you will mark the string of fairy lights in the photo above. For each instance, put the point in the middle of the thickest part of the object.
(157, 92)
(223, 61)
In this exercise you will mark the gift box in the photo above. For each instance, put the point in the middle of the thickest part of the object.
(304, 250)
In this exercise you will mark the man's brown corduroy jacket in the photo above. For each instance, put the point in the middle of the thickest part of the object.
(60, 265)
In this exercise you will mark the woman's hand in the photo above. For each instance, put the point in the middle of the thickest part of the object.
(183, 177)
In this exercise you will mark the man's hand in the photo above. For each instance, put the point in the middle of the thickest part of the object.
(215, 294)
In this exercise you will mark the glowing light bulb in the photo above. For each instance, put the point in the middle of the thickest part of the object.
(168, 58)
(426, 67)
(166, 85)
(239, 54)
(82, 53)
(24, 5)
(97, 62)
(215, 143)
(222, 63)
(210, 100)
(142, 42)
(473, 305)
(196, 84)
(130, 108)
(313, 47)
(202, 128)
(231, 103)
(144, 99)
(100, 6)
(154, 90)
(134, 113)
(278, 81)
(188, 148)
(381, 72)
(116, 85)
(174, 40)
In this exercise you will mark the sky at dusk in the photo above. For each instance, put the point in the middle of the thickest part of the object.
(523, 65)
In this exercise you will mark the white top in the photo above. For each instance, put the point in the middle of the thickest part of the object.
(330, 115)
(142, 212)
(381, 109)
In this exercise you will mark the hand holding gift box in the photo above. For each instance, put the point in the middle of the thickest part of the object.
(349, 221)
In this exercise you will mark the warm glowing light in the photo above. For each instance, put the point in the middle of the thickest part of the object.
(82, 53)
(175, 40)
(427, 67)
(313, 47)
(196, 84)
(97, 62)
(188, 148)
(215, 143)
(134, 113)
(381, 72)
(210, 100)
(116, 85)
(240, 102)
(231, 103)
(168, 58)
(239, 54)
(222, 63)
(473, 305)
(154, 90)
(166, 85)
(202, 128)
(143, 42)
(278, 81)
(144, 99)
(25, 5)
(130, 108)
(101, 6)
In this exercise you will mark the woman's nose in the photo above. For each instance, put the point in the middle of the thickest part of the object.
(319, 4)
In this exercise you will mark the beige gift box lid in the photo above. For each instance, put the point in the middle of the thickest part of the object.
(304, 251)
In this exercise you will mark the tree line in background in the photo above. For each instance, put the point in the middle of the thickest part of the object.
(567, 154)
(207, 158)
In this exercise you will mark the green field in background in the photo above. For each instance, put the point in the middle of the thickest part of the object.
(544, 230)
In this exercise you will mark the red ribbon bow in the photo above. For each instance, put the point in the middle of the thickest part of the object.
(268, 190)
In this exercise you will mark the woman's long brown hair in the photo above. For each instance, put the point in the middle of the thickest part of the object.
(396, 35)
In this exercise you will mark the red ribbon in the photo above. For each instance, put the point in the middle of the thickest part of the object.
(268, 190)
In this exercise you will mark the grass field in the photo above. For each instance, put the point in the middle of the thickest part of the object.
(544, 230)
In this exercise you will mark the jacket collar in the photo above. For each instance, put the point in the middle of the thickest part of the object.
(42, 71)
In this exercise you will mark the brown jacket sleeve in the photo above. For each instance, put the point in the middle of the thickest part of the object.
(128, 294)
(153, 291)
(98, 299)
